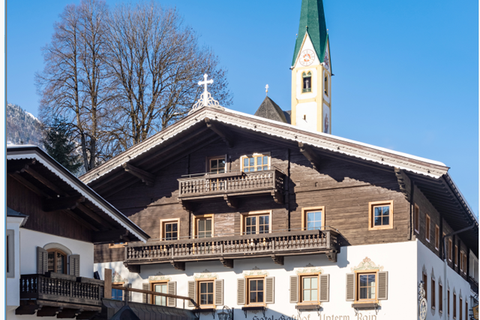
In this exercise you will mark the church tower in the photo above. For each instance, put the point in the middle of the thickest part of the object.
(311, 71)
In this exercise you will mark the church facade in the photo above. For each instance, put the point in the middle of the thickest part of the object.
(273, 217)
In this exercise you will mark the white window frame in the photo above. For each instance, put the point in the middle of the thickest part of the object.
(255, 213)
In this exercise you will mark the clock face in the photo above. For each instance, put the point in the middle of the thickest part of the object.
(307, 57)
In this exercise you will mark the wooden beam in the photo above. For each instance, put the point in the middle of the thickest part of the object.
(81, 221)
(277, 259)
(62, 203)
(94, 216)
(143, 175)
(111, 236)
(178, 265)
(45, 181)
(403, 182)
(29, 185)
(220, 131)
(227, 262)
(68, 313)
(231, 201)
(310, 155)
(17, 166)
(49, 311)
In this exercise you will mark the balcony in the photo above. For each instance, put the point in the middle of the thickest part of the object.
(227, 249)
(231, 185)
(64, 296)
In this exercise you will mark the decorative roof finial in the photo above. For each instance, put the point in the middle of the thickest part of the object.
(266, 89)
(206, 99)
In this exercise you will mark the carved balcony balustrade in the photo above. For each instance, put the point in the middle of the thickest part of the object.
(231, 185)
(227, 249)
(63, 295)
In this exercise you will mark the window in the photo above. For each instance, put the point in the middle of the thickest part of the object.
(204, 226)
(461, 261)
(117, 294)
(466, 309)
(10, 254)
(307, 82)
(256, 162)
(454, 305)
(309, 289)
(366, 287)
(437, 237)
(216, 165)
(205, 293)
(256, 223)
(456, 255)
(440, 297)
(255, 289)
(381, 215)
(117, 245)
(416, 218)
(425, 279)
(325, 85)
(433, 296)
(169, 229)
(57, 261)
(464, 263)
(450, 249)
(460, 308)
(312, 218)
(161, 287)
(427, 228)
(448, 302)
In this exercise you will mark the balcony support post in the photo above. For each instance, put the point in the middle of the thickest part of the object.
(277, 259)
(227, 262)
(178, 265)
(231, 202)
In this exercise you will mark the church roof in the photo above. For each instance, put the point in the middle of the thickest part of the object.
(312, 22)
(270, 110)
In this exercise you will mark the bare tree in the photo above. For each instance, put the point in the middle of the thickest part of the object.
(73, 83)
(156, 64)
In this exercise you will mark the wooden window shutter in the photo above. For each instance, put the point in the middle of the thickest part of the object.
(172, 289)
(324, 287)
(240, 291)
(42, 260)
(74, 264)
(270, 288)
(383, 285)
(219, 292)
(350, 288)
(191, 293)
(145, 286)
(293, 289)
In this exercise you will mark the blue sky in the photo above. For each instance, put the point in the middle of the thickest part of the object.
(406, 72)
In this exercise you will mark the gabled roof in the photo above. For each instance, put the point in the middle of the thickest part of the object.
(312, 22)
(42, 174)
(191, 132)
(270, 110)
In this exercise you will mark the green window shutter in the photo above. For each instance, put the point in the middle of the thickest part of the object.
(293, 289)
(191, 293)
(350, 287)
(74, 265)
(383, 285)
(241, 291)
(219, 292)
(270, 288)
(42, 260)
(172, 289)
(145, 286)
(324, 287)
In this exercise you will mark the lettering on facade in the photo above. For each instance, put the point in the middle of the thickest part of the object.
(358, 316)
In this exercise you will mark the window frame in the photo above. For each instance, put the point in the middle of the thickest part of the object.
(416, 219)
(455, 258)
(255, 156)
(243, 224)
(433, 293)
(460, 302)
(454, 305)
(55, 267)
(301, 300)
(306, 210)
(450, 249)
(163, 222)
(357, 286)
(307, 74)
(10, 254)
(152, 285)
(198, 283)
(448, 302)
(425, 284)
(200, 217)
(437, 237)
(247, 291)
(427, 227)
(371, 212)
(208, 164)
(440, 297)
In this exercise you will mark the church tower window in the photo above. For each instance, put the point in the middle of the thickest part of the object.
(307, 82)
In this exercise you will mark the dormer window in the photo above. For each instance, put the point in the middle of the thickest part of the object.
(307, 82)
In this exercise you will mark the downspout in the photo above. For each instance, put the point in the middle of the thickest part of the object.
(445, 263)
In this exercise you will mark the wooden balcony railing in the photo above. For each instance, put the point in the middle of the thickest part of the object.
(275, 245)
(62, 288)
(232, 184)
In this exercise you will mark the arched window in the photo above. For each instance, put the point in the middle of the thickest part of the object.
(57, 261)
(307, 82)
(325, 85)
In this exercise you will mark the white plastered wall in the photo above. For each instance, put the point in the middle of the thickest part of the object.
(399, 259)
(13, 283)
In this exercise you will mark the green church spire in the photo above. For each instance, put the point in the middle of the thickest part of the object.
(312, 21)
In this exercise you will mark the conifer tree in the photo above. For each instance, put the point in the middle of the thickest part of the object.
(61, 147)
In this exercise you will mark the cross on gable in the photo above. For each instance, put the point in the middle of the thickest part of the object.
(205, 82)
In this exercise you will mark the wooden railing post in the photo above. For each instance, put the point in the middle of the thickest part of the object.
(108, 284)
